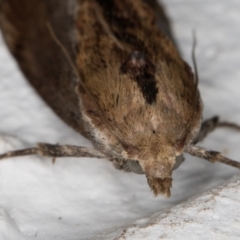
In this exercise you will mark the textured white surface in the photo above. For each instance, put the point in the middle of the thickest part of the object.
(87, 198)
(211, 215)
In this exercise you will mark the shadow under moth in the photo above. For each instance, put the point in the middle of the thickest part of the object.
(112, 71)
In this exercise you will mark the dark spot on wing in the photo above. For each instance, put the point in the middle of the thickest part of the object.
(143, 72)
(130, 39)
(147, 85)
(107, 4)
(123, 21)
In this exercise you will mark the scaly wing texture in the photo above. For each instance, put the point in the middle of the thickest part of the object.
(133, 82)
(25, 29)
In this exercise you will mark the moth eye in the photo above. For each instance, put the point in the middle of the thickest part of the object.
(179, 161)
(134, 166)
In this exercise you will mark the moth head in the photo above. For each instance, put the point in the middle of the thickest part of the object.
(145, 110)
(156, 160)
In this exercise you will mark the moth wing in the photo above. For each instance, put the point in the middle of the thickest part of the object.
(26, 29)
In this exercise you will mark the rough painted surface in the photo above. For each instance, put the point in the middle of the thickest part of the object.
(87, 198)
(212, 215)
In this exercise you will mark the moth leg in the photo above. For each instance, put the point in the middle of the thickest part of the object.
(207, 126)
(55, 151)
(210, 125)
(211, 156)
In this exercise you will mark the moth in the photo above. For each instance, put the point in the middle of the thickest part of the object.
(112, 71)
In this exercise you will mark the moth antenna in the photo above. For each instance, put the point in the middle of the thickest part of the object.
(64, 50)
(231, 125)
(211, 156)
(194, 56)
(196, 92)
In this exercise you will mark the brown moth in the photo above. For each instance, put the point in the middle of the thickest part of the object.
(111, 70)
